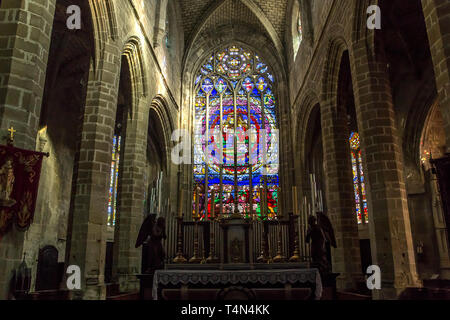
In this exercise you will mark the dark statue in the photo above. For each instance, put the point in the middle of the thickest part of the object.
(321, 235)
(21, 282)
(151, 234)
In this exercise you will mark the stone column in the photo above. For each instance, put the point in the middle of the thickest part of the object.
(87, 238)
(389, 221)
(440, 228)
(437, 19)
(25, 34)
(339, 193)
(127, 259)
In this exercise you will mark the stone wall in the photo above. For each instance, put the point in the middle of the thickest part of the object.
(25, 28)
(25, 37)
(384, 131)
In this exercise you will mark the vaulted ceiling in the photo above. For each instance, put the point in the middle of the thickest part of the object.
(267, 17)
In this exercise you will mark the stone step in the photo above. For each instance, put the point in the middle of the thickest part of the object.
(343, 295)
(425, 294)
(125, 296)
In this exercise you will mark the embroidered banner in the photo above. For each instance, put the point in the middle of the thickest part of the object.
(20, 171)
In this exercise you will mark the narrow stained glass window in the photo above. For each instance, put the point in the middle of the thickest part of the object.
(113, 181)
(235, 137)
(297, 29)
(358, 179)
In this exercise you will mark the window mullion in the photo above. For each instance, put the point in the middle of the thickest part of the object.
(264, 211)
(250, 169)
(207, 156)
(235, 153)
(221, 156)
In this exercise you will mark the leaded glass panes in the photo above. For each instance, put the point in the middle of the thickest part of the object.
(113, 181)
(362, 214)
(235, 124)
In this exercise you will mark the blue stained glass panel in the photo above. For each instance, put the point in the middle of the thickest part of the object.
(221, 85)
(207, 85)
(248, 84)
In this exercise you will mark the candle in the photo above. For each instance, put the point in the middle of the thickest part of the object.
(320, 201)
(313, 190)
(279, 201)
(294, 200)
(213, 206)
(180, 206)
(305, 206)
(261, 200)
(197, 203)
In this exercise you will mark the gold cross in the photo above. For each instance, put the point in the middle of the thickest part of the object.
(11, 132)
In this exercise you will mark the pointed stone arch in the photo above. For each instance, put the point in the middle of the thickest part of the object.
(330, 75)
(104, 20)
(337, 167)
(305, 109)
(160, 108)
(310, 100)
(132, 51)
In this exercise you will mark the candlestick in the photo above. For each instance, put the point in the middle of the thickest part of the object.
(180, 257)
(263, 257)
(296, 256)
(195, 258)
(212, 245)
(279, 257)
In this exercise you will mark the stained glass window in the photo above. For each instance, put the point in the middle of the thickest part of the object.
(299, 27)
(113, 181)
(235, 137)
(167, 35)
(358, 179)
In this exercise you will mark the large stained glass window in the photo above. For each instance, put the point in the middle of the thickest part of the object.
(114, 178)
(235, 137)
(358, 179)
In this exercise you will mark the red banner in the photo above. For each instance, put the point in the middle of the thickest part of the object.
(20, 171)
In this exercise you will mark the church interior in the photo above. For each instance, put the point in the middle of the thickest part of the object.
(224, 149)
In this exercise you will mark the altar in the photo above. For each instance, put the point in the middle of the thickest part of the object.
(235, 259)
(191, 284)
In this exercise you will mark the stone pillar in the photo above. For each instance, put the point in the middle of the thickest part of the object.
(25, 34)
(339, 193)
(440, 228)
(127, 259)
(437, 19)
(87, 237)
(389, 221)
